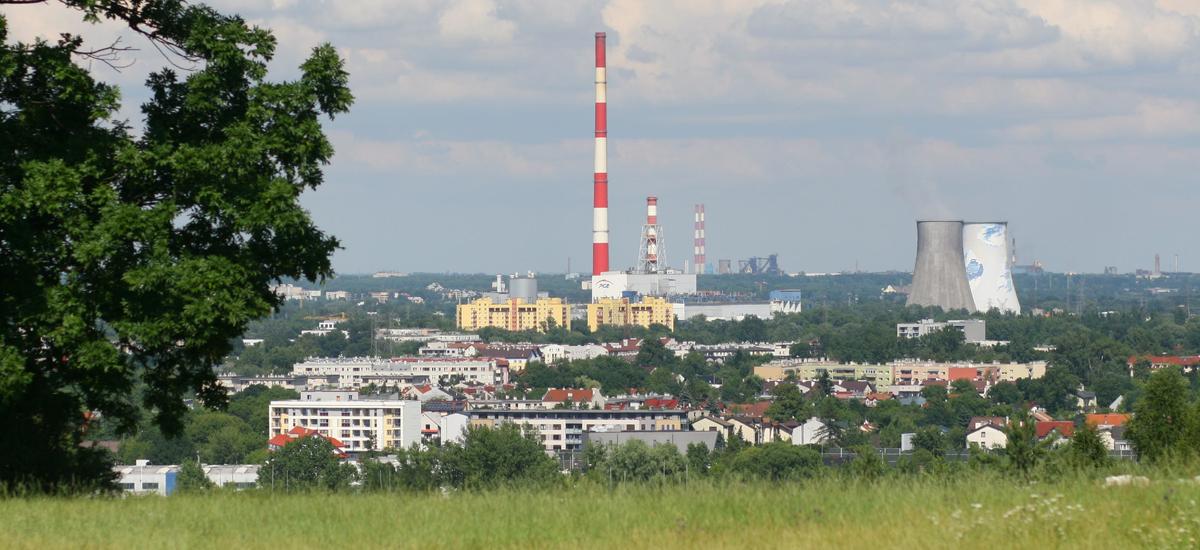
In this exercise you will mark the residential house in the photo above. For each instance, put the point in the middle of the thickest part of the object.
(425, 393)
(1085, 401)
(713, 424)
(1114, 439)
(978, 421)
(1109, 420)
(987, 436)
(1057, 431)
(810, 432)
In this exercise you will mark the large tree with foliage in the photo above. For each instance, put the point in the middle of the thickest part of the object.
(133, 259)
(1162, 417)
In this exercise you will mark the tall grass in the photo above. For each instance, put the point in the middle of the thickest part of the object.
(974, 511)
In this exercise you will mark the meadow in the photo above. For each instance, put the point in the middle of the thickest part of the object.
(975, 511)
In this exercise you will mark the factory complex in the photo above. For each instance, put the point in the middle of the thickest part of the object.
(650, 293)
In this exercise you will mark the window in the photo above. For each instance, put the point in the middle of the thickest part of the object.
(127, 486)
(150, 486)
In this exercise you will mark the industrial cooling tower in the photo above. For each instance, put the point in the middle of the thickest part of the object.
(985, 253)
(938, 277)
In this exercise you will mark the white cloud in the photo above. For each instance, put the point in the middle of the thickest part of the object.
(475, 20)
(1151, 119)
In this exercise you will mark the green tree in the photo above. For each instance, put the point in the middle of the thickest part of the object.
(652, 353)
(698, 458)
(1087, 449)
(867, 464)
(134, 259)
(1161, 416)
(192, 479)
(931, 439)
(777, 461)
(663, 381)
(303, 464)
(1022, 449)
(788, 404)
(490, 457)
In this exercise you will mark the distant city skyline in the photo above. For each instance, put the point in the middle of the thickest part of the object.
(817, 130)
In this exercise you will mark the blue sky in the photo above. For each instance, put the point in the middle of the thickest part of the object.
(816, 129)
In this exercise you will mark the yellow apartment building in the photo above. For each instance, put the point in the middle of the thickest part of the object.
(622, 312)
(514, 314)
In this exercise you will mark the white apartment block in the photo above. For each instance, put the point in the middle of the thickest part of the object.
(563, 429)
(974, 330)
(356, 372)
(361, 425)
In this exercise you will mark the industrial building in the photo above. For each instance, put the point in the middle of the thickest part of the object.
(736, 311)
(624, 312)
(939, 276)
(619, 284)
(987, 259)
(651, 278)
(974, 330)
(514, 314)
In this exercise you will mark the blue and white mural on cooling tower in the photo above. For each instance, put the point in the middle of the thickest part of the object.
(985, 251)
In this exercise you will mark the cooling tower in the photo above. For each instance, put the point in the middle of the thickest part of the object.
(985, 252)
(938, 277)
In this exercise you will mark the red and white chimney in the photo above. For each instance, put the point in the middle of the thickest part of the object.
(652, 232)
(698, 241)
(600, 180)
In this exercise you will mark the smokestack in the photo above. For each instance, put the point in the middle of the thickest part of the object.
(650, 251)
(939, 278)
(600, 180)
(698, 240)
(985, 252)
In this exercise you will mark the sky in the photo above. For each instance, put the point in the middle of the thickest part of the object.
(816, 129)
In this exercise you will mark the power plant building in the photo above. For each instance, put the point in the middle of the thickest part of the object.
(986, 257)
(623, 312)
(514, 314)
(617, 284)
(939, 276)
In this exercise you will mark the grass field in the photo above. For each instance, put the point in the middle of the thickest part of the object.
(977, 512)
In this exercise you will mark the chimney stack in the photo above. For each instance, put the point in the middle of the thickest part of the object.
(698, 241)
(600, 179)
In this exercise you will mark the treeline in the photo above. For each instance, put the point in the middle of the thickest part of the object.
(655, 369)
(237, 435)
(1164, 430)
(283, 346)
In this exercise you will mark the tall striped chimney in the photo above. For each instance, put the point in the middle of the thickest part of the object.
(600, 180)
(698, 241)
(650, 251)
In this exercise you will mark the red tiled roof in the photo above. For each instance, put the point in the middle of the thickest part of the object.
(963, 373)
(561, 395)
(750, 409)
(300, 431)
(1111, 419)
(1065, 428)
(660, 403)
(1179, 361)
(977, 421)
